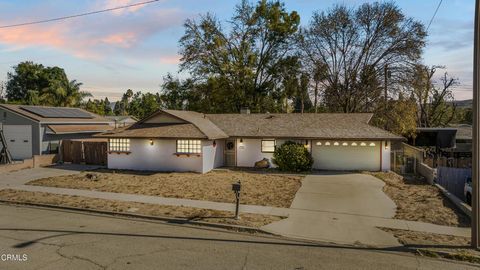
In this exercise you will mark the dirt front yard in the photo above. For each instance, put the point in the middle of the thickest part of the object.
(190, 213)
(418, 201)
(258, 188)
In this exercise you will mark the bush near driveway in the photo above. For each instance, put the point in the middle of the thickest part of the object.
(293, 157)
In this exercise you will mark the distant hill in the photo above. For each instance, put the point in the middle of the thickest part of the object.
(468, 103)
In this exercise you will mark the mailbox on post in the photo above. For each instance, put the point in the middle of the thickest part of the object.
(237, 187)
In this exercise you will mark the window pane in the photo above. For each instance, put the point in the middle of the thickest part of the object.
(189, 146)
(119, 145)
(268, 145)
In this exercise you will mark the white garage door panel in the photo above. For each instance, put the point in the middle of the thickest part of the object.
(19, 140)
(346, 157)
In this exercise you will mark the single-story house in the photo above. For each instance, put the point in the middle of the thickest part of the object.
(122, 120)
(171, 140)
(37, 130)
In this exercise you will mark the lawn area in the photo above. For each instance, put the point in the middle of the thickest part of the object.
(258, 188)
(419, 201)
(251, 220)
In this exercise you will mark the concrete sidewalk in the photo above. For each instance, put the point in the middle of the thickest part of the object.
(320, 211)
(296, 217)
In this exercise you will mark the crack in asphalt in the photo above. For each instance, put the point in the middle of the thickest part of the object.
(246, 259)
(57, 251)
(117, 258)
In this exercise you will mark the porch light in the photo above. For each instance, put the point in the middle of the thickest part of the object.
(241, 140)
(363, 144)
(306, 142)
(214, 143)
(372, 144)
(336, 144)
(151, 141)
(387, 146)
(327, 143)
(354, 144)
(319, 143)
(345, 144)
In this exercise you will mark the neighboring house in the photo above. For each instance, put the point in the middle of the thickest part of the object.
(170, 140)
(122, 121)
(454, 144)
(36, 130)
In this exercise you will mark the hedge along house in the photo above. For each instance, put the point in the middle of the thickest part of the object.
(38, 130)
(170, 140)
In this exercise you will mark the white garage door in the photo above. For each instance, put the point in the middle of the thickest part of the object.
(346, 155)
(19, 140)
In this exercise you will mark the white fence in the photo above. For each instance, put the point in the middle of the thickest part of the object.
(453, 179)
(426, 171)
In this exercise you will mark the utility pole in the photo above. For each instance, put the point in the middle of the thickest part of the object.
(385, 74)
(476, 132)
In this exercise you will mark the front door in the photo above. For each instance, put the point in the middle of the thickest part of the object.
(230, 153)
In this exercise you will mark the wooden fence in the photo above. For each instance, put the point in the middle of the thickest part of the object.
(85, 151)
(453, 179)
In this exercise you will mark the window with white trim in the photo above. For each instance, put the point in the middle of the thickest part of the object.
(119, 145)
(189, 146)
(268, 146)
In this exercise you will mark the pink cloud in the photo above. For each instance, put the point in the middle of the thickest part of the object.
(170, 59)
(124, 40)
(94, 37)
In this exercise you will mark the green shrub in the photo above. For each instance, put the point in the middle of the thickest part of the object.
(293, 157)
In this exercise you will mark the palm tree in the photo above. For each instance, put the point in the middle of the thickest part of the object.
(64, 93)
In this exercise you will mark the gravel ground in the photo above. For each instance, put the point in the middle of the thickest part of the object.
(418, 201)
(257, 188)
(251, 220)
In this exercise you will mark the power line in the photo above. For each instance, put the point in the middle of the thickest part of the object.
(78, 15)
(434, 14)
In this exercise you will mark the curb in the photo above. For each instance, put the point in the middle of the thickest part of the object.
(468, 258)
(181, 221)
(458, 203)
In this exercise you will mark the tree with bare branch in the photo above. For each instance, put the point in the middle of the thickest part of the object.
(355, 45)
(434, 100)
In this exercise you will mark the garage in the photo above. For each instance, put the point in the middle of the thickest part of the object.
(347, 155)
(19, 140)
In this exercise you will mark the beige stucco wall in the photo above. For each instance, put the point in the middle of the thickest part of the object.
(250, 151)
(157, 157)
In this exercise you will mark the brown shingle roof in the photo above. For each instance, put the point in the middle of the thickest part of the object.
(209, 129)
(17, 109)
(157, 131)
(295, 125)
(216, 126)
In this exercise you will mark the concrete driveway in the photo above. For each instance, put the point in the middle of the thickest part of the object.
(356, 194)
(337, 207)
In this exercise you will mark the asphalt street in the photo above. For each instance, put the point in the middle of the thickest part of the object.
(40, 238)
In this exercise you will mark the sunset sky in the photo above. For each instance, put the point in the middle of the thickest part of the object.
(134, 48)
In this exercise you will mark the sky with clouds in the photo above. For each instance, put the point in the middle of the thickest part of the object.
(134, 48)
